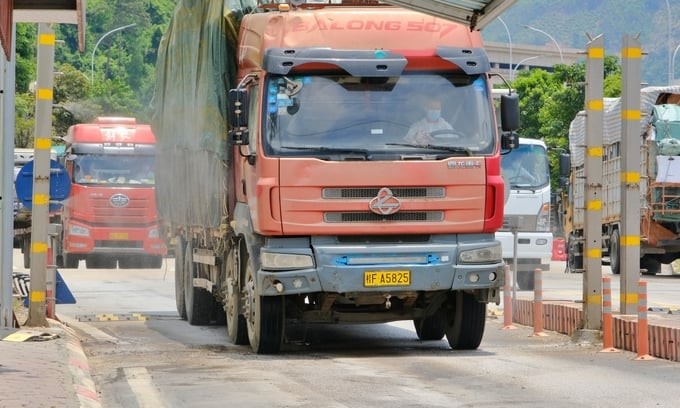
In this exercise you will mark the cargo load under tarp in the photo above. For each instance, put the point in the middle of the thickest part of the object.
(196, 66)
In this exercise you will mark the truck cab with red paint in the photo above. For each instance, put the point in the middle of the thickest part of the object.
(110, 217)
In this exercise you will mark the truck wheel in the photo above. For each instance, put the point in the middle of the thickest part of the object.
(100, 262)
(574, 255)
(71, 261)
(652, 265)
(466, 322)
(615, 252)
(264, 317)
(234, 271)
(26, 249)
(179, 278)
(525, 280)
(151, 261)
(198, 302)
(432, 327)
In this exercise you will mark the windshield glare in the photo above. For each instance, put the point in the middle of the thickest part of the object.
(526, 166)
(345, 112)
(113, 169)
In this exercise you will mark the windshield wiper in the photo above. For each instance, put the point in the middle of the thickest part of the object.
(452, 149)
(337, 150)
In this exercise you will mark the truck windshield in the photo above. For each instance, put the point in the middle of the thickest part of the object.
(526, 167)
(113, 169)
(407, 115)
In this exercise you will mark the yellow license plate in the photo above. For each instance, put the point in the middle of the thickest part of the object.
(387, 278)
(118, 235)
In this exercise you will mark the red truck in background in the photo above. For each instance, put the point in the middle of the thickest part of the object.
(111, 215)
(298, 196)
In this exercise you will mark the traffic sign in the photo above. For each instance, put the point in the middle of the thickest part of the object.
(60, 184)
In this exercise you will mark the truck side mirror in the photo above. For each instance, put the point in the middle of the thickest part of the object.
(565, 164)
(565, 168)
(509, 112)
(237, 114)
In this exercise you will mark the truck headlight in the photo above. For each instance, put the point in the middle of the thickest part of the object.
(78, 230)
(278, 261)
(153, 233)
(543, 220)
(490, 254)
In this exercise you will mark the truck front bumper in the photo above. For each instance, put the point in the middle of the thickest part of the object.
(342, 268)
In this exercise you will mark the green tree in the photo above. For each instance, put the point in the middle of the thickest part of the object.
(549, 101)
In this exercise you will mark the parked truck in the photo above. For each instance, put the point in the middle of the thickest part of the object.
(289, 185)
(110, 218)
(659, 182)
(527, 210)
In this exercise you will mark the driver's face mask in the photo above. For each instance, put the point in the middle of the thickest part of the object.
(433, 114)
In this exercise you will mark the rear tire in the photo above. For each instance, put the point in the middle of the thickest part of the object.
(615, 252)
(432, 327)
(525, 280)
(264, 316)
(198, 302)
(466, 322)
(234, 273)
(574, 255)
(652, 265)
(26, 249)
(179, 278)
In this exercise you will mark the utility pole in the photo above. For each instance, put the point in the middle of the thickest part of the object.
(592, 245)
(7, 78)
(41, 177)
(631, 56)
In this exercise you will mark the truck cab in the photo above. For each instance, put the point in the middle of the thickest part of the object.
(110, 218)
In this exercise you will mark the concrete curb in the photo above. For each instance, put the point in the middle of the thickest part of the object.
(79, 368)
(565, 318)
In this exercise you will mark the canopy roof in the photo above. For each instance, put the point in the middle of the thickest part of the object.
(474, 13)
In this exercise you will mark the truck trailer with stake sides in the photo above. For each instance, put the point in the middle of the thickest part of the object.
(289, 182)
(659, 182)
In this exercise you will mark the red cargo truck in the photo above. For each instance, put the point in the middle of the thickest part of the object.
(111, 215)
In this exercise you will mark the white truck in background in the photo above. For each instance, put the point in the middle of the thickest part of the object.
(526, 173)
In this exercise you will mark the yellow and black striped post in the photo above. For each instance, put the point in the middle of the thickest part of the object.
(592, 244)
(631, 55)
(41, 177)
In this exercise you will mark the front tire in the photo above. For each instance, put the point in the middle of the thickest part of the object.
(264, 316)
(71, 261)
(466, 322)
(198, 302)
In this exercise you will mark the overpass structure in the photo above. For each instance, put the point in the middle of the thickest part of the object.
(526, 56)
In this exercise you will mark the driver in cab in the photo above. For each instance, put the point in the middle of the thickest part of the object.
(421, 131)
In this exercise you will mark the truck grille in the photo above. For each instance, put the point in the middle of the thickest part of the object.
(370, 192)
(119, 244)
(104, 213)
(404, 216)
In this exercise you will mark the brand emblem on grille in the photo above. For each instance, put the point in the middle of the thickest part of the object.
(385, 203)
(119, 200)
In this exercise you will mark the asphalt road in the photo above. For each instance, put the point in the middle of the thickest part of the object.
(149, 357)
